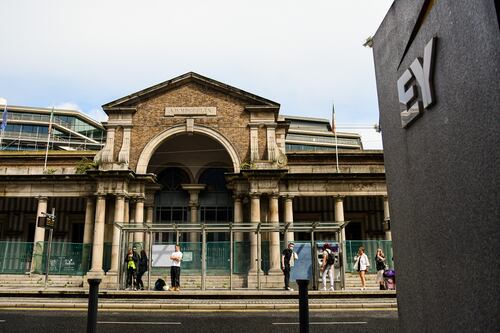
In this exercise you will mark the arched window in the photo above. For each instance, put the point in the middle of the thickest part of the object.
(214, 179)
(172, 178)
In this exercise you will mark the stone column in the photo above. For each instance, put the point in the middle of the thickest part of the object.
(271, 142)
(88, 231)
(274, 244)
(254, 142)
(387, 218)
(37, 254)
(238, 217)
(289, 236)
(255, 219)
(98, 244)
(339, 214)
(194, 190)
(126, 218)
(139, 219)
(115, 247)
(149, 220)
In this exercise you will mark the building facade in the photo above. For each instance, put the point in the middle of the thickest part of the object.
(194, 150)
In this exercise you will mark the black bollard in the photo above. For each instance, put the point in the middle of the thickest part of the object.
(92, 311)
(303, 306)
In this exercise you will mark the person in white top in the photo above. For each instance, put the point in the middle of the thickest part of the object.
(175, 269)
(327, 266)
(362, 264)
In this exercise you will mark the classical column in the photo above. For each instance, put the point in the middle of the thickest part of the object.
(115, 247)
(254, 142)
(139, 219)
(98, 244)
(194, 190)
(387, 219)
(39, 236)
(238, 217)
(88, 231)
(339, 214)
(149, 220)
(255, 219)
(289, 236)
(274, 244)
(271, 142)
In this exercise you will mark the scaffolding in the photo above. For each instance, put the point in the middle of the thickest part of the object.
(231, 228)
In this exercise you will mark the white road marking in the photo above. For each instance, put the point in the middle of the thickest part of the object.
(328, 323)
(140, 322)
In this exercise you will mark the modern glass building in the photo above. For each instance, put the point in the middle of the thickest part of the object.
(28, 129)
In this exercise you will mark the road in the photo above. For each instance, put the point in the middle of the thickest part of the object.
(191, 321)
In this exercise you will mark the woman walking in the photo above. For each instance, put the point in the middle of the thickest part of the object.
(361, 265)
(380, 261)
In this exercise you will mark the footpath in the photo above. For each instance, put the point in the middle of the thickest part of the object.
(194, 300)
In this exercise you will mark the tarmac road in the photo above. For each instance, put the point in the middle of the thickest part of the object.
(196, 321)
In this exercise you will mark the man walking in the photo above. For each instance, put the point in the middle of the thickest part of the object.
(175, 269)
(288, 258)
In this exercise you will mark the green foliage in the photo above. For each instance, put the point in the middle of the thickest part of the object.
(84, 165)
(247, 165)
(50, 171)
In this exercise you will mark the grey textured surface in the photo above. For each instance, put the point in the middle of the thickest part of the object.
(443, 171)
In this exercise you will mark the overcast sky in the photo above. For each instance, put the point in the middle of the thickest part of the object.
(304, 55)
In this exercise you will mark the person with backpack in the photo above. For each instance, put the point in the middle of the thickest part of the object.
(327, 267)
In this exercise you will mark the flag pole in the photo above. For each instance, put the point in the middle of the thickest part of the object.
(48, 141)
(335, 134)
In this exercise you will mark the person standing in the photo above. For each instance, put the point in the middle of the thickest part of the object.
(143, 268)
(327, 266)
(175, 269)
(131, 270)
(380, 261)
(288, 258)
(362, 265)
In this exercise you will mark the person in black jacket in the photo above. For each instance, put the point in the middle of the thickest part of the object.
(142, 268)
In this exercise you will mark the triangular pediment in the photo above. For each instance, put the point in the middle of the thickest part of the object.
(130, 101)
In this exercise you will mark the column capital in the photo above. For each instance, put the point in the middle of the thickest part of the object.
(139, 199)
(288, 196)
(42, 198)
(238, 197)
(254, 195)
(274, 195)
(339, 197)
(120, 196)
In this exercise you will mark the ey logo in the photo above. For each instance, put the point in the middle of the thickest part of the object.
(419, 75)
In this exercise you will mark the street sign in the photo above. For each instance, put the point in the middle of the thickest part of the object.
(42, 221)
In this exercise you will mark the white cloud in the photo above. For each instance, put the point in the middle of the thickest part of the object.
(67, 106)
(3, 101)
(97, 114)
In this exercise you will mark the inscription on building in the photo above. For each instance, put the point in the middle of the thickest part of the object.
(190, 111)
(415, 86)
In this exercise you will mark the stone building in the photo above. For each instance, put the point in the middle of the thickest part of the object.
(196, 150)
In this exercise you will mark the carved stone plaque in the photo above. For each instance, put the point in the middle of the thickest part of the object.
(188, 111)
